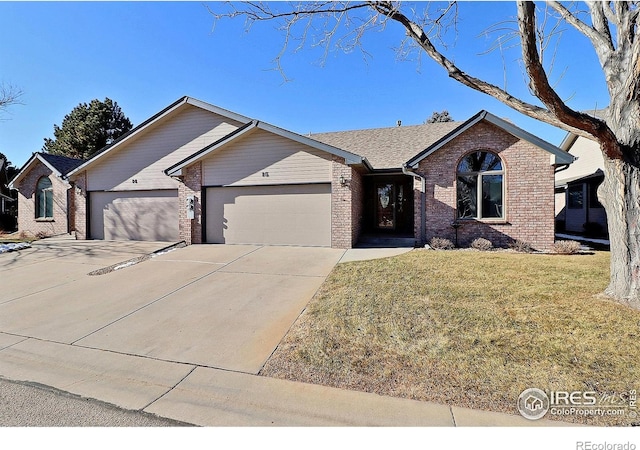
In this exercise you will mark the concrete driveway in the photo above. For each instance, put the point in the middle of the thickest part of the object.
(183, 335)
(212, 305)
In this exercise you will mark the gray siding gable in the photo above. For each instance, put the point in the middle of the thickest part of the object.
(157, 119)
(139, 163)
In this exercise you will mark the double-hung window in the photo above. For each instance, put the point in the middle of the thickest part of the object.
(480, 182)
(44, 199)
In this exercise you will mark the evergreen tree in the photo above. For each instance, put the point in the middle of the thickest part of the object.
(442, 116)
(87, 129)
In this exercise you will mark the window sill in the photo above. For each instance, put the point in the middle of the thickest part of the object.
(45, 219)
(487, 221)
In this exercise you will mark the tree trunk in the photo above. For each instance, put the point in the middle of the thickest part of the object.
(620, 195)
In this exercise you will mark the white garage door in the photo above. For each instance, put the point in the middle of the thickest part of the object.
(276, 215)
(136, 216)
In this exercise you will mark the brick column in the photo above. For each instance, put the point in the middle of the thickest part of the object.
(346, 208)
(191, 185)
(78, 206)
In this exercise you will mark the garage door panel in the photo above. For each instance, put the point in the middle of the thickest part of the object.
(138, 216)
(277, 215)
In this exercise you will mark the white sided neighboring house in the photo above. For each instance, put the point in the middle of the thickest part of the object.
(577, 207)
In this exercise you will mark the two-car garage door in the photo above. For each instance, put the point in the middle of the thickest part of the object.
(297, 214)
(134, 215)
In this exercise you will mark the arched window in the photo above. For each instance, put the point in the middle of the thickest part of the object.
(44, 199)
(480, 186)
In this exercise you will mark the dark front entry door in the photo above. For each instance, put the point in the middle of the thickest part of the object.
(393, 206)
(385, 206)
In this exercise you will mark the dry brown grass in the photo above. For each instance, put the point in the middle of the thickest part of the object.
(466, 329)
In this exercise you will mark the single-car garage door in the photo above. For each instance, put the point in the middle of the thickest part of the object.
(278, 215)
(134, 215)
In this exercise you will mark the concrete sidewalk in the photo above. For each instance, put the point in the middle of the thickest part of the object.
(365, 254)
(213, 397)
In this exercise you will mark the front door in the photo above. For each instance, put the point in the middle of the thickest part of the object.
(386, 206)
(393, 210)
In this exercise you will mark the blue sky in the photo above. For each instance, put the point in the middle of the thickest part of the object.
(146, 55)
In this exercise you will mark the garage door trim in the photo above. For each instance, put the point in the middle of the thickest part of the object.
(204, 214)
(167, 194)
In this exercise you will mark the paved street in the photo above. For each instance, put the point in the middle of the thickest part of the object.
(23, 405)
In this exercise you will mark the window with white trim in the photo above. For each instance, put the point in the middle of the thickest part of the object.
(44, 199)
(480, 186)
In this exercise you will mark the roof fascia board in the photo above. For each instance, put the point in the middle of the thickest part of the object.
(126, 137)
(176, 169)
(413, 162)
(568, 141)
(563, 182)
(561, 157)
(27, 166)
(217, 110)
(350, 158)
(155, 118)
(22, 172)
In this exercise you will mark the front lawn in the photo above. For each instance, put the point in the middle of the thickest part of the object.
(466, 328)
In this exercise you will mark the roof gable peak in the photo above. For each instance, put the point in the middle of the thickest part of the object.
(561, 157)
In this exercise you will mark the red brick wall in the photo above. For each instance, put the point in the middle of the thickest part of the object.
(191, 229)
(346, 205)
(529, 200)
(78, 206)
(357, 205)
(27, 221)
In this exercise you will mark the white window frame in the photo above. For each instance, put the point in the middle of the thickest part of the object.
(480, 174)
(41, 209)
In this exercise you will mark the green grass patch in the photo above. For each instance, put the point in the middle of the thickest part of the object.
(466, 328)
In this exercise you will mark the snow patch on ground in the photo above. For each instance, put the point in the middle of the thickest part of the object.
(125, 264)
(4, 248)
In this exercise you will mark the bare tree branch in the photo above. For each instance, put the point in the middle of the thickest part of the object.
(601, 23)
(601, 44)
(422, 31)
(609, 14)
(9, 95)
(632, 83)
(298, 13)
(528, 109)
(548, 96)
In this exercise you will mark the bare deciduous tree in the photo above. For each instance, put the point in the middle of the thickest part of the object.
(9, 95)
(610, 27)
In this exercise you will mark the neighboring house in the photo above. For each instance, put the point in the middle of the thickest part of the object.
(44, 196)
(7, 202)
(5, 193)
(202, 174)
(577, 207)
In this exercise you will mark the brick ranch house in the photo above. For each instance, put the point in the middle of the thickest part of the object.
(44, 200)
(202, 174)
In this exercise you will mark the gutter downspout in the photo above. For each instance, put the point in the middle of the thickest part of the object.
(423, 198)
(561, 167)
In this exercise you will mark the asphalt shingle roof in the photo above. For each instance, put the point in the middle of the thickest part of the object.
(63, 164)
(388, 148)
